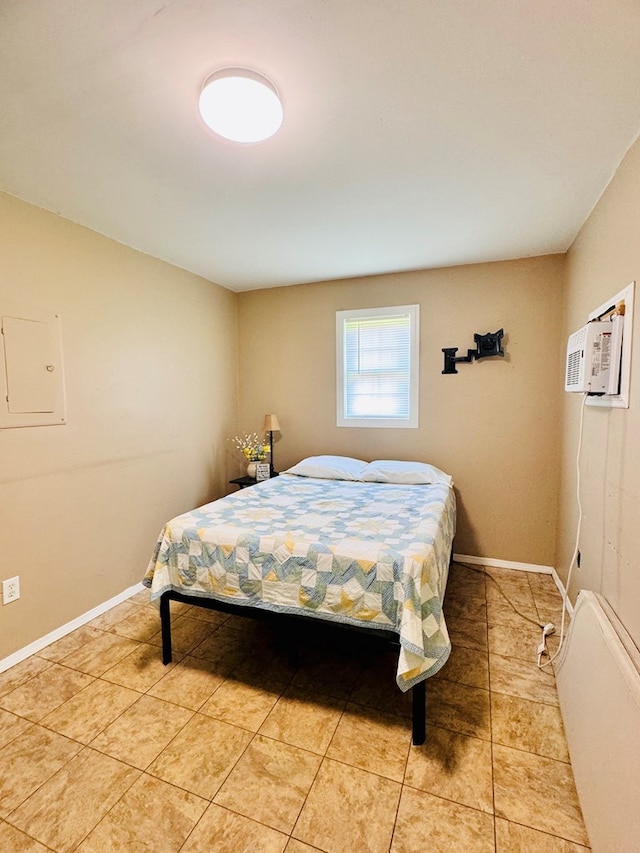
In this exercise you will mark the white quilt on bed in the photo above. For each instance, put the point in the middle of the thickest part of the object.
(350, 552)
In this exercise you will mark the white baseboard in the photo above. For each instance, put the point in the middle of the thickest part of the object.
(502, 564)
(520, 567)
(59, 633)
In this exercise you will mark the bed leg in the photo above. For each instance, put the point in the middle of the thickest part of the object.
(165, 621)
(419, 699)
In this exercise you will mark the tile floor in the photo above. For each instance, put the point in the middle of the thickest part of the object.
(237, 747)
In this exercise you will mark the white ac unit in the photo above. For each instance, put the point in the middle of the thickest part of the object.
(593, 357)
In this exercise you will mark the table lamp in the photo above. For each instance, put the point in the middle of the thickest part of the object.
(271, 425)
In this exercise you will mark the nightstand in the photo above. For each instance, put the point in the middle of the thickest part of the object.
(243, 482)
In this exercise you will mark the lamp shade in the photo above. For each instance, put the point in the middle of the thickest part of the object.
(240, 105)
(271, 423)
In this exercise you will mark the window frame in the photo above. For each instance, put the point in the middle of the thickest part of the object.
(342, 317)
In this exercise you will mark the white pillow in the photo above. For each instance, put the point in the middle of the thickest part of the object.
(404, 473)
(329, 468)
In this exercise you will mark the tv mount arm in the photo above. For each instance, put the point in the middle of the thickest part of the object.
(486, 346)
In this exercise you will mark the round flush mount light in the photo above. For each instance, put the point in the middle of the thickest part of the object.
(240, 105)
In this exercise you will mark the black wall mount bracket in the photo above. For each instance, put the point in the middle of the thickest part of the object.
(487, 346)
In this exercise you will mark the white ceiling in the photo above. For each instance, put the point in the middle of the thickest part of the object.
(417, 133)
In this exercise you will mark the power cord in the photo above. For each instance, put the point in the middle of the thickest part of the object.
(574, 556)
(547, 629)
(503, 593)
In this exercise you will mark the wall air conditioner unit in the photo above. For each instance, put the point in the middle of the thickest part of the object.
(593, 357)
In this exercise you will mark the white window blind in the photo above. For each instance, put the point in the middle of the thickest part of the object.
(377, 367)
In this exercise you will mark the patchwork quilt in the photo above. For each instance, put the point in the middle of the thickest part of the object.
(352, 552)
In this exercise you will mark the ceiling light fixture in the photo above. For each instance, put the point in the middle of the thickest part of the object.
(240, 105)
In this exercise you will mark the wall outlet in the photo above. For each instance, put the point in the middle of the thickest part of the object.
(10, 590)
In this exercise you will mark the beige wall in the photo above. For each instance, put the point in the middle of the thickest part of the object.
(151, 380)
(494, 426)
(605, 258)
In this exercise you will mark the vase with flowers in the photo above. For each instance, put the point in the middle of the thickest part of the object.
(253, 448)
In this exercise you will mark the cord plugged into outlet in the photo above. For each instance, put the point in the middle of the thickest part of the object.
(11, 590)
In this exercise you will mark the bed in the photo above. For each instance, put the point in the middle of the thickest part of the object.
(363, 545)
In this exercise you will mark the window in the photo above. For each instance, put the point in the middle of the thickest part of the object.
(377, 367)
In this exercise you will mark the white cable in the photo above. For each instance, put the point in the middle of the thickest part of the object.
(543, 644)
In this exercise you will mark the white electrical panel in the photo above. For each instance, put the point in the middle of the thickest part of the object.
(31, 369)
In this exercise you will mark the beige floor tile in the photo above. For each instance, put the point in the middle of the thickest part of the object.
(537, 792)
(151, 816)
(513, 615)
(99, 655)
(513, 838)
(90, 711)
(21, 672)
(338, 816)
(516, 677)
(459, 708)
(514, 579)
(213, 617)
(11, 727)
(247, 628)
(461, 599)
(521, 643)
(454, 766)
(467, 583)
(430, 823)
(178, 608)
(542, 582)
(516, 592)
(277, 666)
(305, 719)
(186, 634)
(45, 692)
(201, 756)
(373, 741)
(272, 657)
(547, 596)
(107, 620)
(190, 683)
(140, 734)
(461, 607)
(527, 725)
(549, 607)
(14, 841)
(245, 702)
(324, 673)
(468, 633)
(140, 669)
(295, 846)
(140, 626)
(223, 646)
(29, 761)
(227, 832)
(244, 677)
(376, 687)
(270, 783)
(57, 816)
(466, 666)
(553, 615)
(71, 643)
(141, 598)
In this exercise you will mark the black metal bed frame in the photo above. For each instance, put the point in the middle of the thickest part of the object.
(418, 691)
